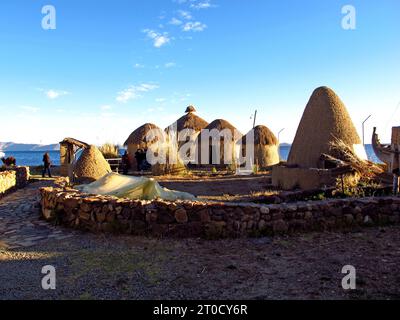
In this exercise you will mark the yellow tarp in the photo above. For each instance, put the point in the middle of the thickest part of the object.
(143, 188)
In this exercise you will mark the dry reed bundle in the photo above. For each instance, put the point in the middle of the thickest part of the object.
(342, 151)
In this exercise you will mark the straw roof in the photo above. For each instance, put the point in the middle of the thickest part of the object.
(74, 142)
(325, 119)
(190, 121)
(221, 124)
(91, 165)
(262, 136)
(138, 136)
(190, 109)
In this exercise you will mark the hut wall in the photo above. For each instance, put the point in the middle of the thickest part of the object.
(228, 147)
(266, 156)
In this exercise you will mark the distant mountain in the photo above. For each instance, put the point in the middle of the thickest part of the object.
(11, 146)
(285, 144)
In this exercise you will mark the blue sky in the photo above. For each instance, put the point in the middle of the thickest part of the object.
(110, 66)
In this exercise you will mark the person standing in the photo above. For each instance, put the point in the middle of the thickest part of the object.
(46, 165)
(126, 164)
(138, 158)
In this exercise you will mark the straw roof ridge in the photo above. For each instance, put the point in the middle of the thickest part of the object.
(220, 124)
(190, 109)
(262, 136)
(324, 118)
(190, 121)
(138, 136)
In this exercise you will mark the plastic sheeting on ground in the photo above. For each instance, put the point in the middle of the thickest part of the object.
(143, 188)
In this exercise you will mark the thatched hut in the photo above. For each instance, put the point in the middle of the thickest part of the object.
(171, 163)
(138, 140)
(187, 128)
(90, 166)
(218, 141)
(266, 147)
(324, 121)
(325, 124)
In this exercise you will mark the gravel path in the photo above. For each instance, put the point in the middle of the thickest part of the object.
(120, 267)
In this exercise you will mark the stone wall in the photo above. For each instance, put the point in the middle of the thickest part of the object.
(212, 220)
(13, 178)
(8, 182)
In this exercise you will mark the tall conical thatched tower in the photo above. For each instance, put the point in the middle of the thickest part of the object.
(325, 119)
(137, 140)
(226, 144)
(266, 147)
(90, 166)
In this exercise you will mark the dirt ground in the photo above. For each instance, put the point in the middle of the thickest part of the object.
(304, 266)
(298, 267)
(228, 188)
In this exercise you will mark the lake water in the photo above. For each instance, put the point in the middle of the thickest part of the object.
(34, 158)
(284, 153)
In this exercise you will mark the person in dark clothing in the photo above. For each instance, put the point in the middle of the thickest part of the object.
(145, 164)
(46, 165)
(140, 157)
(126, 164)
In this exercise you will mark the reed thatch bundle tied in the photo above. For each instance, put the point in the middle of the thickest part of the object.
(325, 119)
(91, 165)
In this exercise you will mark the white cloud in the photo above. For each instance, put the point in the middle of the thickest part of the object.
(194, 26)
(134, 92)
(185, 14)
(161, 100)
(159, 39)
(138, 66)
(175, 22)
(201, 5)
(170, 65)
(54, 94)
(106, 107)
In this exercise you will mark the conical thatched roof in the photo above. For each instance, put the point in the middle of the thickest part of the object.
(138, 136)
(221, 124)
(190, 121)
(262, 136)
(325, 119)
(190, 109)
(91, 165)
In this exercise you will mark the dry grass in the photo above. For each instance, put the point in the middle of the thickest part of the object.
(109, 151)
